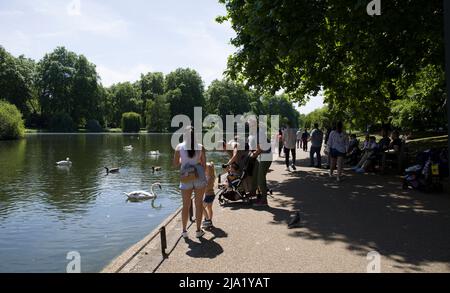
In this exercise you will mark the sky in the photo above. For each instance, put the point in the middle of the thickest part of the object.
(124, 38)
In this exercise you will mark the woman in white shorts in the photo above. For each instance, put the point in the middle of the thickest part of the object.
(191, 159)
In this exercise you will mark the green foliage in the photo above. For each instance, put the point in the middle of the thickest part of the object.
(94, 126)
(280, 105)
(17, 81)
(11, 123)
(123, 97)
(320, 116)
(184, 91)
(68, 83)
(62, 122)
(227, 98)
(131, 122)
(158, 114)
(363, 63)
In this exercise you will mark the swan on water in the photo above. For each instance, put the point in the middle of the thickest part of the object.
(112, 170)
(154, 153)
(67, 162)
(144, 195)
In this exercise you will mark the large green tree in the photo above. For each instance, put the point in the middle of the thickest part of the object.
(225, 97)
(362, 62)
(123, 97)
(17, 82)
(151, 86)
(68, 83)
(184, 90)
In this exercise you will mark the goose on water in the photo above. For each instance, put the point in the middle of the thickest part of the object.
(156, 169)
(144, 195)
(67, 162)
(112, 170)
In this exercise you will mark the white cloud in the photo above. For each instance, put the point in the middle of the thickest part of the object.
(80, 17)
(110, 76)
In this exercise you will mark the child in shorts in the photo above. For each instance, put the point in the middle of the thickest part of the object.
(210, 195)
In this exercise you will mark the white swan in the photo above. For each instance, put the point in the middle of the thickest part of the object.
(128, 148)
(154, 153)
(67, 162)
(143, 195)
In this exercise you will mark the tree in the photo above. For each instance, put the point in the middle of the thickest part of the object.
(11, 123)
(131, 122)
(68, 83)
(280, 105)
(361, 61)
(184, 91)
(17, 84)
(124, 97)
(158, 114)
(151, 86)
(226, 97)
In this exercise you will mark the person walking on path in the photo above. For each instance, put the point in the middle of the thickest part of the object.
(337, 148)
(316, 146)
(190, 157)
(305, 138)
(280, 143)
(289, 141)
(299, 139)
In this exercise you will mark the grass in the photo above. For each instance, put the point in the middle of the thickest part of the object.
(420, 144)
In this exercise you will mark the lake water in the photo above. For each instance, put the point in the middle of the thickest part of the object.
(47, 212)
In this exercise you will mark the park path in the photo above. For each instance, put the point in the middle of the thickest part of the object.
(341, 224)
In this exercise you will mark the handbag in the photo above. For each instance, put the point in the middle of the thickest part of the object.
(189, 175)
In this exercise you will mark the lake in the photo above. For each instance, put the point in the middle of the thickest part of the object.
(48, 211)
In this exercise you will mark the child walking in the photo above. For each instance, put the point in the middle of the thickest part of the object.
(210, 195)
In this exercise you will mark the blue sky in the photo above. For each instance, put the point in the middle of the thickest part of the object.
(124, 38)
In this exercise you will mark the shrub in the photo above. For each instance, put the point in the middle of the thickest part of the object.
(94, 126)
(131, 122)
(62, 122)
(11, 122)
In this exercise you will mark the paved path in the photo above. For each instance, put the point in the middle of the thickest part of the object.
(341, 223)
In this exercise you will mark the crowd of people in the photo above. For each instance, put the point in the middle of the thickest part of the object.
(197, 176)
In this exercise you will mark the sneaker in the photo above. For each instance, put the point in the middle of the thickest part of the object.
(185, 235)
(294, 168)
(207, 224)
(288, 169)
(360, 171)
(200, 234)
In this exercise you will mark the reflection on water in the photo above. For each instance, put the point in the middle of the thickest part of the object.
(47, 211)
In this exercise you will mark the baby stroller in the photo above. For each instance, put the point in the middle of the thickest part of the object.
(234, 190)
(427, 175)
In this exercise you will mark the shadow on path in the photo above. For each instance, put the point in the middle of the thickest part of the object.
(367, 212)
